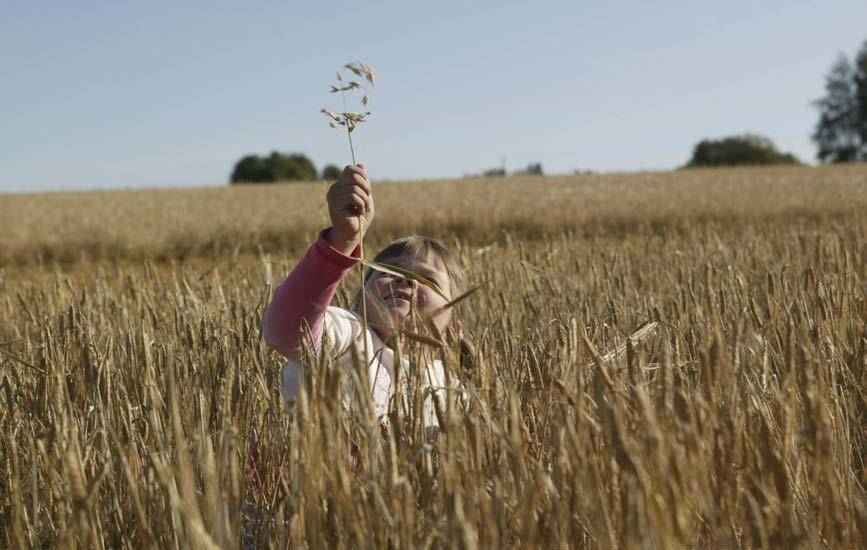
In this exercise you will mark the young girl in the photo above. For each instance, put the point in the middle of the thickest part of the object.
(303, 300)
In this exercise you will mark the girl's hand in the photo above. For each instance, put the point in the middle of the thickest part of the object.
(350, 204)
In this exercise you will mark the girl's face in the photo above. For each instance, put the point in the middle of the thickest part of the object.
(396, 293)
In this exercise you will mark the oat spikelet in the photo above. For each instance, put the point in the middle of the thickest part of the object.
(369, 73)
(354, 68)
(350, 119)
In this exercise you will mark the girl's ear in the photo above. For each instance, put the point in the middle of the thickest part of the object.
(459, 327)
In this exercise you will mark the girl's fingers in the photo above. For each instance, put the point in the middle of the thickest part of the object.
(368, 202)
(355, 203)
(339, 191)
(342, 186)
(355, 185)
(365, 198)
(356, 182)
(356, 173)
(354, 190)
(360, 179)
(358, 169)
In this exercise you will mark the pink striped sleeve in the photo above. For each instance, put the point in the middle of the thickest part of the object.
(304, 296)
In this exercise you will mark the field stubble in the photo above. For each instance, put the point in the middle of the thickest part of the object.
(131, 389)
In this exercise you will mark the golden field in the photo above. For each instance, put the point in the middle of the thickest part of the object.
(134, 374)
(207, 222)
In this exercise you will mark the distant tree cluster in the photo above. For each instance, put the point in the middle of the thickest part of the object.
(747, 149)
(331, 172)
(279, 167)
(841, 133)
(533, 169)
(494, 173)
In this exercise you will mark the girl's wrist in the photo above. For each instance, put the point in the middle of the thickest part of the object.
(340, 243)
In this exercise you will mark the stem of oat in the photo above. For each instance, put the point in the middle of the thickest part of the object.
(363, 296)
(360, 244)
(351, 148)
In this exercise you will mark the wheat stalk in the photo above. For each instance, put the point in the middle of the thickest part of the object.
(129, 390)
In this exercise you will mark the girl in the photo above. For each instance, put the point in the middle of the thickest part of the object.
(303, 300)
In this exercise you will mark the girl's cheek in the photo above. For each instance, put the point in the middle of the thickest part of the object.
(425, 298)
(378, 284)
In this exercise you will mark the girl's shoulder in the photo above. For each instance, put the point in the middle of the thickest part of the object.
(341, 323)
(342, 315)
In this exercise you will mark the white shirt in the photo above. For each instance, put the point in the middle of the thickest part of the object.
(341, 329)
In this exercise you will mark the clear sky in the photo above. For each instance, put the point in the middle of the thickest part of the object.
(133, 94)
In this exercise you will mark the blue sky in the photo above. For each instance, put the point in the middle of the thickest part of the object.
(119, 94)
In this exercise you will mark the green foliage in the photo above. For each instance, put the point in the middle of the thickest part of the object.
(250, 168)
(275, 167)
(494, 173)
(747, 149)
(534, 169)
(330, 172)
(861, 96)
(841, 133)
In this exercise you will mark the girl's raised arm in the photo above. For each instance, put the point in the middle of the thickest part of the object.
(304, 296)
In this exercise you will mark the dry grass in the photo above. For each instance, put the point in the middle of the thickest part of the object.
(130, 390)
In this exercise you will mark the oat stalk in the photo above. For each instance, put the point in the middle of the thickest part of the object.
(350, 120)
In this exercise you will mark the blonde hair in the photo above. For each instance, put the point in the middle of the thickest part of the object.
(423, 249)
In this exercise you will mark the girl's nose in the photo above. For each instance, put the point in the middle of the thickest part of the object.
(403, 280)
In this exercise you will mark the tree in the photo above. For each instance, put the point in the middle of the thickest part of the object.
(330, 172)
(494, 173)
(861, 95)
(250, 169)
(275, 167)
(294, 167)
(837, 132)
(747, 149)
(535, 169)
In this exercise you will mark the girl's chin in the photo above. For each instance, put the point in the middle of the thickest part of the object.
(397, 306)
(395, 315)
(398, 315)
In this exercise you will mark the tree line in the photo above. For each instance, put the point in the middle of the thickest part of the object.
(840, 136)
